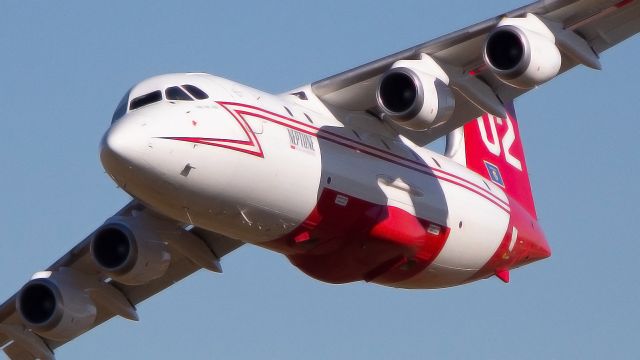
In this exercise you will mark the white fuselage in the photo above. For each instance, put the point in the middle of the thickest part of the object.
(253, 166)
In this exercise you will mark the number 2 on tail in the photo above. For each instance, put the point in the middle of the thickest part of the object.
(507, 140)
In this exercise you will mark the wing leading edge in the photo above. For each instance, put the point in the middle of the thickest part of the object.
(110, 297)
(599, 24)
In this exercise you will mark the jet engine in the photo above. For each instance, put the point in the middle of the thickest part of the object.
(415, 94)
(129, 251)
(54, 306)
(522, 52)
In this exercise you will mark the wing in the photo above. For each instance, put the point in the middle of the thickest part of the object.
(188, 248)
(583, 29)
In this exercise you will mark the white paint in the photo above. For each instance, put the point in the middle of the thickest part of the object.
(493, 146)
(342, 200)
(41, 275)
(434, 229)
(277, 187)
(514, 237)
(507, 142)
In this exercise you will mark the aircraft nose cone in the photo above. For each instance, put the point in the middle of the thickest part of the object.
(114, 143)
(120, 150)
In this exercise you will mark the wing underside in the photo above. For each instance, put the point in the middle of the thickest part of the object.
(594, 25)
(110, 297)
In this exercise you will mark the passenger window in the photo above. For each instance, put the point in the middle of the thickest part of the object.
(196, 92)
(176, 93)
(145, 99)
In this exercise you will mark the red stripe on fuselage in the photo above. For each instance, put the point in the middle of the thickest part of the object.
(337, 139)
(367, 149)
(313, 130)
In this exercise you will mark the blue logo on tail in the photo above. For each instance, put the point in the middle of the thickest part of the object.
(494, 173)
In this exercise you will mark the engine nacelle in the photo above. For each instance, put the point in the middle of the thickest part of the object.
(130, 251)
(415, 94)
(522, 52)
(55, 306)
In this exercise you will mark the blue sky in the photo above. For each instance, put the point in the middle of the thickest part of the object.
(65, 65)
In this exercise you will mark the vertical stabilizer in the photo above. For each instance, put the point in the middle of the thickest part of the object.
(492, 147)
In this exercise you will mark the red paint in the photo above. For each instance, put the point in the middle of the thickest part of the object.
(360, 241)
(249, 146)
(362, 148)
(477, 71)
(381, 154)
(503, 274)
(347, 142)
(530, 244)
(225, 103)
(386, 245)
(623, 3)
(302, 237)
(223, 143)
(515, 181)
(401, 161)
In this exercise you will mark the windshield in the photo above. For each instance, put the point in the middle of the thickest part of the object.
(121, 109)
(145, 99)
(186, 92)
(196, 92)
(175, 93)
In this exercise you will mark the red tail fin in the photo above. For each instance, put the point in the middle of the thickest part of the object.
(493, 149)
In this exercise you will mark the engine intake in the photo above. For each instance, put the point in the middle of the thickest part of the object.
(399, 93)
(522, 52)
(114, 248)
(505, 50)
(413, 96)
(37, 302)
(55, 307)
(130, 251)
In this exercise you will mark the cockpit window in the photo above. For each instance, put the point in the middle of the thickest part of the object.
(145, 99)
(176, 93)
(121, 109)
(196, 92)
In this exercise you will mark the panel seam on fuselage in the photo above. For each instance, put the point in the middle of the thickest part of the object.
(318, 132)
(358, 146)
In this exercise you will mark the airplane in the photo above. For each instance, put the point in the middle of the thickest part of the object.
(333, 175)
